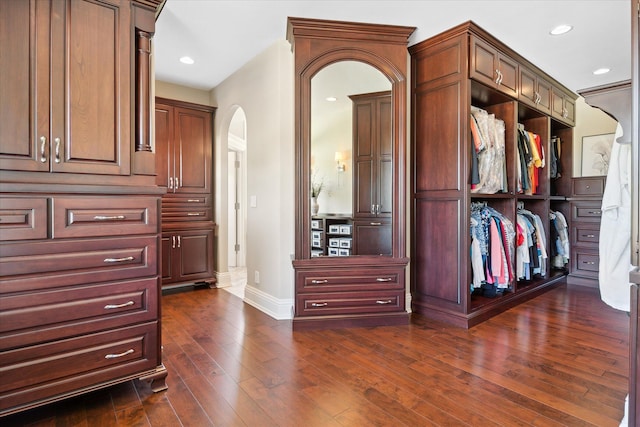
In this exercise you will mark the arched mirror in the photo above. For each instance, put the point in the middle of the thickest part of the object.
(351, 164)
(350, 139)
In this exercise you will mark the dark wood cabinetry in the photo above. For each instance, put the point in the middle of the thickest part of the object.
(452, 72)
(373, 173)
(359, 290)
(79, 256)
(66, 98)
(184, 160)
(492, 67)
(586, 214)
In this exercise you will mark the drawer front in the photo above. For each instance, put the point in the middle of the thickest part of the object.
(77, 262)
(196, 201)
(23, 219)
(585, 235)
(323, 281)
(195, 213)
(30, 318)
(588, 186)
(586, 211)
(35, 372)
(585, 263)
(345, 303)
(104, 216)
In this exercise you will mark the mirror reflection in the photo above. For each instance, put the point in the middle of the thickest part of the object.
(351, 161)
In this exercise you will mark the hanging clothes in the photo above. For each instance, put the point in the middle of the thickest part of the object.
(488, 166)
(532, 246)
(531, 158)
(492, 247)
(560, 238)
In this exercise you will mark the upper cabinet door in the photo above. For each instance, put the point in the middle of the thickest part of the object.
(493, 68)
(192, 142)
(91, 86)
(534, 90)
(24, 85)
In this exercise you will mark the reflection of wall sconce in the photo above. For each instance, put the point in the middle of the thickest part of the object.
(339, 158)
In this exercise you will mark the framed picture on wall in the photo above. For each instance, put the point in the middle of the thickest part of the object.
(596, 151)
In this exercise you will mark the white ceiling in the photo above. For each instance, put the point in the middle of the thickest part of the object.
(223, 35)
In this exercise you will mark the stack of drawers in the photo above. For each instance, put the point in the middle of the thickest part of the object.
(79, 291)
(586, 212)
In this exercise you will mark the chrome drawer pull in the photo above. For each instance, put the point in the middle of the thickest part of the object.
(318, 282)
(109, 218)
(588, 262)
(114, 306)
(193, 200)
(193, 214)
(591, 236)
(595, 212)
(389, 301)
(43, 143)
(57, 158)
(127, 258)
(319, 304)
(115, 356)
(384, 279)
(376, 223)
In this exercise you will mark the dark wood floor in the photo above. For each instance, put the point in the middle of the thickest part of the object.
(558, 360)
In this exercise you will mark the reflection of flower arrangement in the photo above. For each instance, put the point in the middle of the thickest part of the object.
(316, 186)
(602, 152)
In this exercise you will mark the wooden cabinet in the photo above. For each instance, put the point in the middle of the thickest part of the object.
(184, 146)
(187, 256)
(68, 90)
(534, 90)
(79, 254)
(492, 67)
(359, 290)
(444, 90)
(373, 173)
(563, 106)
(586, 214)
(184, 160)
(351, 295)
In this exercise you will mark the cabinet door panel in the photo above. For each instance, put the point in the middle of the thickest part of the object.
(167, 257)
(483, 62)
(372, 237)
(91, 87)
(24, 85)
(193, 153)
(164, 147)
(508, 75)
(196, 259)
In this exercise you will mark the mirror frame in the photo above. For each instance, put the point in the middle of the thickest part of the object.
(315, 45)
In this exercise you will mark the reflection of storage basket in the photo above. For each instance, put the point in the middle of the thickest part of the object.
(333, 251)
(345, 242)
(316, 234)
(316, 223)
(344, 252)
(334, 243)
(316, 253)
(334, 229)
(316, 243)
(345, 229)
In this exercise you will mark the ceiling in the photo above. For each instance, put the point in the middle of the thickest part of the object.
(221, 36)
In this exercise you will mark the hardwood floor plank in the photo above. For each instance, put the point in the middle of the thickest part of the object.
(560, 359)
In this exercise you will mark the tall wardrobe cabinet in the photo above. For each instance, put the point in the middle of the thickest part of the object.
(183, 135)
(79, 208)
(453, 74)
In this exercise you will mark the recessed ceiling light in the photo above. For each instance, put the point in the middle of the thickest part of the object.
(600, 71)
(561, 29)
(331, 98)
(187, 60)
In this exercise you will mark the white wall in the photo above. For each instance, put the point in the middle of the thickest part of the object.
(589, 121)
(264, 90)
(182, 93)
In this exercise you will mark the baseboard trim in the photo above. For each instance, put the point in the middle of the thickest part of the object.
(279, 309)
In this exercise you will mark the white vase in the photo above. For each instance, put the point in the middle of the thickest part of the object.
(315, 207)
